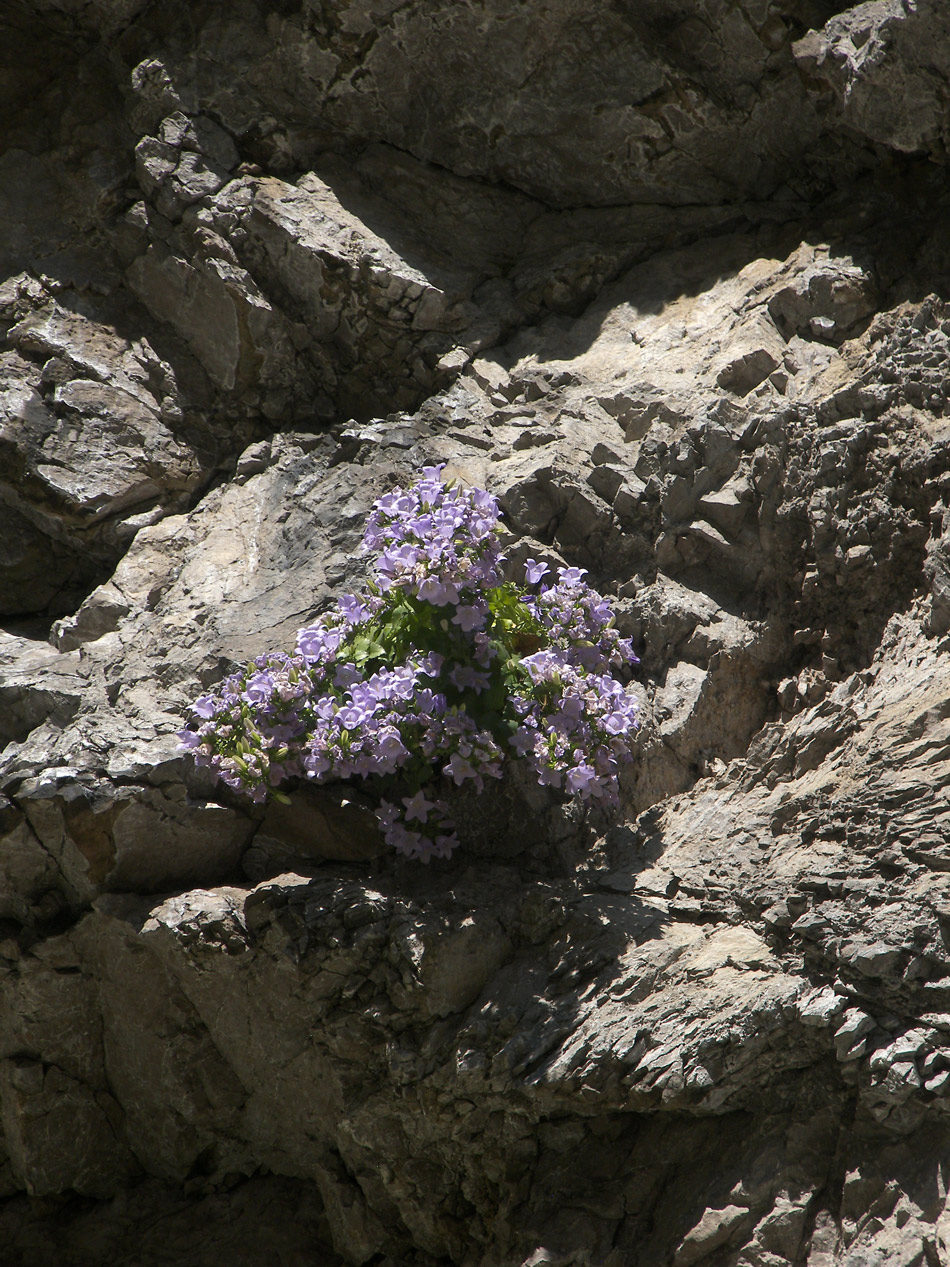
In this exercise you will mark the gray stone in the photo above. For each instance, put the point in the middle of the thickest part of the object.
(714, 1229)
(869, 55)
(820, 1007)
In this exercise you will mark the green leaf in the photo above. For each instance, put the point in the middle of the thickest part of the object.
(495, 696)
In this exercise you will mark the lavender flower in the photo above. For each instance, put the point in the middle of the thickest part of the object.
(534, 571)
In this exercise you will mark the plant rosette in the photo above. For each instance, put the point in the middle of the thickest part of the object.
(433, 679)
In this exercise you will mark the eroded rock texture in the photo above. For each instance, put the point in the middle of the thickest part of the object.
(673, 281)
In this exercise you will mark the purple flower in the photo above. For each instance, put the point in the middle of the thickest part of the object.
(345, 675)
(318, 643)
(442, 847)
(391, 751)
(534, 571)
(431, 589)
(431, 664)
(459, 769)
(387, 814)
(583, 779)
(617, 723)
(259, 688)
(430, 703)
(417, 807)
(405, 842)
(353, 611)
(483, 649)
(469, 618)
(466, 678)
(355, 716)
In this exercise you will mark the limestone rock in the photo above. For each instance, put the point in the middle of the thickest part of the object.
(869, 55)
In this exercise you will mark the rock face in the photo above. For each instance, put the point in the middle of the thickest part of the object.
(673, 282)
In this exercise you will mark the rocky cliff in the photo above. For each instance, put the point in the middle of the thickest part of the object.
(672, 280)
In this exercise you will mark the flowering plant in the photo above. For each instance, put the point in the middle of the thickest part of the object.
(441, 671)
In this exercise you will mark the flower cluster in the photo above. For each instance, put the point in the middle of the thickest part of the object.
(574, 727)
(434, 677)
(577, 620)
(439, 545)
